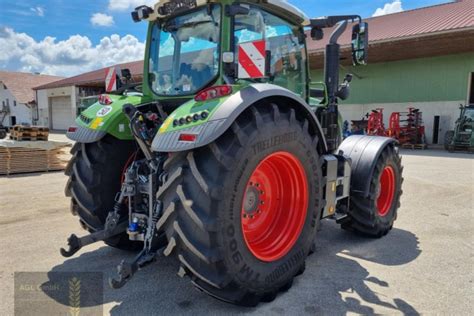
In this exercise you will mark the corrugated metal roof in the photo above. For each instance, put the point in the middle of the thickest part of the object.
(96, 76)
(445, 17)
(21, 84)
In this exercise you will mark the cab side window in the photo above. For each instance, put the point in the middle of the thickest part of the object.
(288, 61)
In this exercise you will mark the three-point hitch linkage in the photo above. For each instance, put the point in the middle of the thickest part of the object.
(119, 220)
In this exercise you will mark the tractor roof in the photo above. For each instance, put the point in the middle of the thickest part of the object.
(279, 5)
(290, 8)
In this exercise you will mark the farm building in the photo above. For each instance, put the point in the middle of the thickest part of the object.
(17, 97)
(59, 101)
(422, 58)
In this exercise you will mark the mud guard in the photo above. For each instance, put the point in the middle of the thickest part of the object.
(99, 120)
(85, 135)
(364, 152)
(227, 113)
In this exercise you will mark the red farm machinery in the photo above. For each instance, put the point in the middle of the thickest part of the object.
(406, 127)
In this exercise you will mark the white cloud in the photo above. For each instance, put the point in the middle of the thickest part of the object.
(389, 8)
(123, 5)
(76, 55)
(39, 11)
(101, 19)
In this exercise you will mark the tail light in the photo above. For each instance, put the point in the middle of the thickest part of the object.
(105, 99)
(190, 138)
(213, 93)
(72, 129)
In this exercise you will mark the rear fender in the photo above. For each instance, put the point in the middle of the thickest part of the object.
(225, 114)
(99, 120)
(364, 152)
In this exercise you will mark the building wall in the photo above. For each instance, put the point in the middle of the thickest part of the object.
(43, 107)
(44, 103)
(21, 112)
(74, 101)
(435, 85)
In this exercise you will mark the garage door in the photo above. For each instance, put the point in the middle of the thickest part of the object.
(61, 113)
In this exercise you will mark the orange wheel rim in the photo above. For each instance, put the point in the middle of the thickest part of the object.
(274, 206)
(387, 191)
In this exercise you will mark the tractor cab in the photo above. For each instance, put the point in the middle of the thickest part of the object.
(469, 113)
(466, 123)
(197, 44)
(462, 137)
(210, 49)
(194, 45)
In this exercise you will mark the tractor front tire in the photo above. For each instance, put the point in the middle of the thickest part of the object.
(448, 140)
(374, 215)
(95, 172)
(241, 214)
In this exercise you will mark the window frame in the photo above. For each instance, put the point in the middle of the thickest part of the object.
(305, 61)
(156, 26)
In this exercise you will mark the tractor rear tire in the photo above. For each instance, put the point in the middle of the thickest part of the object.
(95, 171)
(448, 140)
(3, 133)
(373, 216)
(241, 214)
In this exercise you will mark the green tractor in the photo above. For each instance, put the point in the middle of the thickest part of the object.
(462, 138)
(227, 155)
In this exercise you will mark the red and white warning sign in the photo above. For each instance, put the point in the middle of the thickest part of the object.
(111, 79)
(252, 59)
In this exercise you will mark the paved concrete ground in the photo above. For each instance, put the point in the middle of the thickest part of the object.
(424, 266)
(59, 137)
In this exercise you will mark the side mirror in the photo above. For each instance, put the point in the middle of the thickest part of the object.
(126, 74)
(360, 44)
(317, 33)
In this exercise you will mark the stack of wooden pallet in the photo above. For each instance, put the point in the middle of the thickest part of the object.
(414, 146)
(48, 156)
(29, 133)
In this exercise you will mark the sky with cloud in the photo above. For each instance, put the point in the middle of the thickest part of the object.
(64, 37)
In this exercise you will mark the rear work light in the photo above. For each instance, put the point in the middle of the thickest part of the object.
(190, 138)
(105, 99)
(213, 93)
